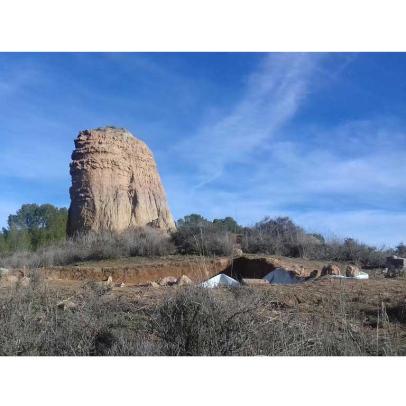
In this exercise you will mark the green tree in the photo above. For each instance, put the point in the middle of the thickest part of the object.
(401, 250)
(36, 225)
(228, 224)
(193, 220)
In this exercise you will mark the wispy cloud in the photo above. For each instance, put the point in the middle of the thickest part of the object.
(359, 161)
(272, 96)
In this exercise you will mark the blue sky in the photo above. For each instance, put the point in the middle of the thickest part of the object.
(317, 137)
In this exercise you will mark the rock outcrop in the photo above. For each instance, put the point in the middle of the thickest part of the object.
(115, 184)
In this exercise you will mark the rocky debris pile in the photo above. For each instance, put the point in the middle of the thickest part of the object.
(168, 281)
(115, 184)
(330, 269)
(172, 281)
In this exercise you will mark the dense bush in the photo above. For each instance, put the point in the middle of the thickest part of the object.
(36, 236)
(199, 236)
(354, 251)
(279, 236)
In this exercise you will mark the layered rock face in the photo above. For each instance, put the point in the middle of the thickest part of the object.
(115, 184)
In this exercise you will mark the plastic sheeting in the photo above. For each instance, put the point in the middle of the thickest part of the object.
(220, 280)
(360, 276)
(281, 276)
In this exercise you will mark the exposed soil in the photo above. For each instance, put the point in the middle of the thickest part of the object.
(141, 271)
(136, 273)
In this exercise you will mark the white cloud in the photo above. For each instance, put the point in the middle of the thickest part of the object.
(272, 97)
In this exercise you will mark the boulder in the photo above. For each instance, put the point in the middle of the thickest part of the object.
(168, 281)
(109, 282)
(237, 252)
(67, 305)
(299, 270)
(115, 184)
(184, 280)
(330, 269)
(351, 271)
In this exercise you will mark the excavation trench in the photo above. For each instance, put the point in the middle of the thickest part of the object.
(198, 269)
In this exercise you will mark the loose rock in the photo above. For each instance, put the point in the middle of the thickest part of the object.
(237, 252)
(67, 305)
(330, 269)
(184, 280)
(352, 271)
(168, 281)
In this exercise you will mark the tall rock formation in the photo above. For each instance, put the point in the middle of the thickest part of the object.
(115, 184)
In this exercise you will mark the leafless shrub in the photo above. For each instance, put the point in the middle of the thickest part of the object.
(190, 321)
(94, 246)
(205, 240)
(146, 242)
(32, 324)
(195, 321)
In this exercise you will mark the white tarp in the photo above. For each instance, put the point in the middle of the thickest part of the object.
(220, 280)
(361, 275)
(281, 276)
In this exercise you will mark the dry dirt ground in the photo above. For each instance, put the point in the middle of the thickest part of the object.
(373, 309)
(131, 277)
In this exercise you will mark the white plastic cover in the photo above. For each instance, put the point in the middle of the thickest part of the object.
(281, 276)
(220, 280)
(361, 275)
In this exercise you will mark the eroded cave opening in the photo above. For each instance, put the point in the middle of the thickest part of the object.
(249, 268)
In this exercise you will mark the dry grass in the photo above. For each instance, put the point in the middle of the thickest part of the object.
(107, 245)
(306, 320)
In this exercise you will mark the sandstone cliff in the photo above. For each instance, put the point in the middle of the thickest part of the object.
(115, 184)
